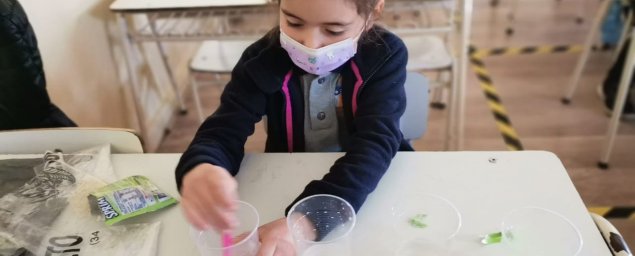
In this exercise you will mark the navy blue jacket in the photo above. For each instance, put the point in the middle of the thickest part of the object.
(24, 101)
(266, 82)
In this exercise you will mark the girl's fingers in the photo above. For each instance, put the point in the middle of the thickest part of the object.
(226, 193)
(284, 248)
(239, 238)
(267, 247)
(192, 216)
(226, 219)
(211, 197)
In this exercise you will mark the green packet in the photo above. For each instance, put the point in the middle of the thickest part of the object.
(128, 198)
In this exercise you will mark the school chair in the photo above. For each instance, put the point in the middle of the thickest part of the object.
(513, 10)
(620, 101)
(627, 75)
(430, 53)
(414, 121)
(602, 11)
(217, 58)
(37, 141)
(436, 33)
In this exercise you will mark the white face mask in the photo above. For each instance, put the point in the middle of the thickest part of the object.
(323, 60)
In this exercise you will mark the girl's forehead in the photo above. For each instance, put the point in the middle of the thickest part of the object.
(321, 11)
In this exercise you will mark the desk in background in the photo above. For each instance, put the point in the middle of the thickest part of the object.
(199, 20)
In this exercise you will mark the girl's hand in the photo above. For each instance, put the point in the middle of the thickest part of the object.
(275, 239)
(208, 198)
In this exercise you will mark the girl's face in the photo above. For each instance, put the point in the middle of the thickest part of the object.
(318, 23)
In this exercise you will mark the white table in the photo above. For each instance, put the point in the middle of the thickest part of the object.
(468, 179)
(134, 5)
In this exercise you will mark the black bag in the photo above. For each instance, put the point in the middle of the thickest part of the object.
(24, 101)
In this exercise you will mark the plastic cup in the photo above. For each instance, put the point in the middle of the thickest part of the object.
(425, 224)
(539, 231)
(321, 225)
(245, 236)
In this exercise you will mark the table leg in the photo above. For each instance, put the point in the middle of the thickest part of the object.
(197, 99)
(466, 21)
(131, 63)
(450, 123)
(168, 70)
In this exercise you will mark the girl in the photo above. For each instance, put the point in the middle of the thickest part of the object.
(327, 80)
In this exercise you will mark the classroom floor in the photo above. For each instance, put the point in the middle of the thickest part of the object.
(530, 87)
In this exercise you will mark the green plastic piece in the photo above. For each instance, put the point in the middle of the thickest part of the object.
(493, 238)
(418, 221)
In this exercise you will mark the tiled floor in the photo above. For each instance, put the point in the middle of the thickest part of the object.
(530, 87)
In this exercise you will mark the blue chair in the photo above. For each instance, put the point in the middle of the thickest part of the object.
(414, 121)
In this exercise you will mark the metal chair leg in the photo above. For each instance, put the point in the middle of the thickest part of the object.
(197, 99)
(588, 45)
(436, 94)
(623, 36)
(131, 64)
(618, 107)
(511, 17)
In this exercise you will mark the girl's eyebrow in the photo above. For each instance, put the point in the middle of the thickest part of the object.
(338, 24)
(287, 13)
(291, 14)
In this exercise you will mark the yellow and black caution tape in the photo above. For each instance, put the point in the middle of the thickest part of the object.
(504, 122)
(614, 212)
(494, 102)
(511, 51)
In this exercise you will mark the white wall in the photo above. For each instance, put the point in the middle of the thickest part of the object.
(85, 70)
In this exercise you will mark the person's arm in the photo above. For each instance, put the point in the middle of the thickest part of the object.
(377, 137)
(24, 100)
(220, 140)
(204, 173)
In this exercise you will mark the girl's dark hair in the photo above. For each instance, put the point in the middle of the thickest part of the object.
(365, 7)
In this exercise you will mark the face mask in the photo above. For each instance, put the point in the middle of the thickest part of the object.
(319, 61)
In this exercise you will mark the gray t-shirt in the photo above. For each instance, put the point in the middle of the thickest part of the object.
(322, 109)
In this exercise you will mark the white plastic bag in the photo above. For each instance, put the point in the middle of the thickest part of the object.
(49, 213)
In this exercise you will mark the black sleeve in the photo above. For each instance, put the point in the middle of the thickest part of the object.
(24, 100)
(376, 138)
(220, 140)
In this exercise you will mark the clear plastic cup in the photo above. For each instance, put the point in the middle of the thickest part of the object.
(245, 236)
(321, 225)
(425, 224)
(539, 231)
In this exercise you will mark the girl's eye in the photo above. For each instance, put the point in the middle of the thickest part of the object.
(295, 25)
(334, 33)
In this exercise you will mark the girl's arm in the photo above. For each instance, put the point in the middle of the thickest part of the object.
(220, 140)
(377, 137)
